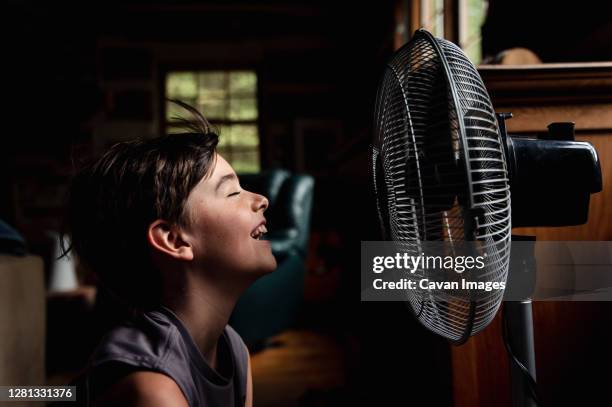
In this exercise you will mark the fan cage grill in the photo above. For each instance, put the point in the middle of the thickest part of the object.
(444, 174)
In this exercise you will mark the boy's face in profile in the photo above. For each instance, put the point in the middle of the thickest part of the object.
(224, 222)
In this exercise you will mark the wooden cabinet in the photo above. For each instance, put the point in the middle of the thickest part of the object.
(573, 339)
(22, 321)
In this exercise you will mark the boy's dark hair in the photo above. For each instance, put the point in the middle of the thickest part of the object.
(113, 200)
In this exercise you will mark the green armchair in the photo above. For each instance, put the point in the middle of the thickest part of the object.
(272, 303)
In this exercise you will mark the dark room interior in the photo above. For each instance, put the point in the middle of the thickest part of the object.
(291, 86)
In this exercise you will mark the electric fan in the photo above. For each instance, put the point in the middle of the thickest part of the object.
(444, 170)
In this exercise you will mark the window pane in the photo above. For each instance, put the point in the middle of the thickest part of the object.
(225, 136)
(182, 85)
(213, 94)
(223, 97)
(238, 135)
(173, 111)
(243, 83)
(246, 162)
(243, 109)
(244, 135)
(472, 16)
(212, 108)
(432, 16)
(213, 80)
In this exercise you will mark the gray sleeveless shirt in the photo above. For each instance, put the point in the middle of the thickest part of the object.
(158, 341)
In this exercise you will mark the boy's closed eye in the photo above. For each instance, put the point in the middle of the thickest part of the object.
(234, 193)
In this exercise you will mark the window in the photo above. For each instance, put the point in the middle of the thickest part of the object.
(228, 99)
(458, 21)
(432, 16)
(472, 14)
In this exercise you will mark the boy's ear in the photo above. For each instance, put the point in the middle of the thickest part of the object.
(167, 239)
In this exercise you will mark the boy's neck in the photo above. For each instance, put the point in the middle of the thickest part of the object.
(205, 309)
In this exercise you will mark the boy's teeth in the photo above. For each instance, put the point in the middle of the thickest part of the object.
(261, 229)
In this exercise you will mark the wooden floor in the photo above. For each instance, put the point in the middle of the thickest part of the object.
(305, 369)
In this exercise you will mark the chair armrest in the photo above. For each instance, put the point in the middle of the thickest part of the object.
(293, 209)
(283, 241)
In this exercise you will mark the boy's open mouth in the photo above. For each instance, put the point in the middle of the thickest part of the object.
(259, 231)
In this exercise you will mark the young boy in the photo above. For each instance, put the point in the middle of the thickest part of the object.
(167, 228)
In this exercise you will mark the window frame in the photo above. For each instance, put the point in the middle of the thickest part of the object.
(166, 70)
(451, 18)
(408, 13)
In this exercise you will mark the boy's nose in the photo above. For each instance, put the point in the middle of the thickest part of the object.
(260, 203)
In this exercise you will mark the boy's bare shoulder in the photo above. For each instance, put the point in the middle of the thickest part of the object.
(144, 388)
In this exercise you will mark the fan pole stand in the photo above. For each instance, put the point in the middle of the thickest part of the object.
(518, 318)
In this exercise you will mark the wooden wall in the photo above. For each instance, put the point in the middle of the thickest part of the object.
(572, 339)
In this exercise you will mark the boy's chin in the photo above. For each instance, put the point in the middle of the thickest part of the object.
(269, 267)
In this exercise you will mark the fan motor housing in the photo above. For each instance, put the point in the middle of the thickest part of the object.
(551, 178)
